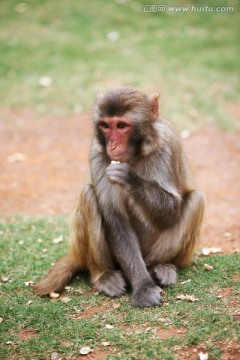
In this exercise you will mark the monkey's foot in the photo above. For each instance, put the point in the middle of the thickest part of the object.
(165, 274)
(111, 283)
(147, 295)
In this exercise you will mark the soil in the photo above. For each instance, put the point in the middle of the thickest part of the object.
(44, 163)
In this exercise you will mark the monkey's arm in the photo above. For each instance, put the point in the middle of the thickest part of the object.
(125, 246)
(163, 204)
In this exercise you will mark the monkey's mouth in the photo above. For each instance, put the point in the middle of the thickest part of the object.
(118, 157)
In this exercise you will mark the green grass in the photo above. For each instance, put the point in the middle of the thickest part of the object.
(191, 58)
(207, 324)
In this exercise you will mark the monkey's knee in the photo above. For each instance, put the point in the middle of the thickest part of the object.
(197, 203)
(164, 274)
(111, 283)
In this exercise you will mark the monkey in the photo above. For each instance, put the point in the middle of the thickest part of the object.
(139, 218)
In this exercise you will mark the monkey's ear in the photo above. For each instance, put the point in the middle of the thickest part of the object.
(99, 97)
(153, 99)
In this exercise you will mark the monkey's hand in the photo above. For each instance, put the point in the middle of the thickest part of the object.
(147, 295)
(119, 173)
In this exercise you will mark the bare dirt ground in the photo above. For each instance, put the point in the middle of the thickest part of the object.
(43, 164)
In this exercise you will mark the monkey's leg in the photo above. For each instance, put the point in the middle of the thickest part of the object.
(189, 228)
(89, 245)
(164, 274)
(176, 245)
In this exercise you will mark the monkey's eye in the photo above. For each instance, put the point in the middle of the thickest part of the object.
(121, 125)
(104, 124)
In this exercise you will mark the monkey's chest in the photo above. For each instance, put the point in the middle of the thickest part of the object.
(142, 225)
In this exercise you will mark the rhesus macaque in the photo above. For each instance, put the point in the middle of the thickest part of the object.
(140, 217)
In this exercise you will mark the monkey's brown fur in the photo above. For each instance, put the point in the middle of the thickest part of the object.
(146, 221)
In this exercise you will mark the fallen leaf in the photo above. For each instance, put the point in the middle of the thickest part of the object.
(208, 267)
(54, 356)
(45, 81)
(203, 356)
(58, 239)
(106, 343)
(113, 36)
(65, 299)
(208, 251)
(227, 234)
(5, 279)
(54, 295)
(109, 327)
(85, 350)
(9, 342)
(185, 282)
(1, 320)
(29, 283)
(16, 157)
(185, 134)
(190, 298)
(116, 306)
(148, 329)
(180, 297)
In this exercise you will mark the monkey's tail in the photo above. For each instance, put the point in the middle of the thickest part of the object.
(58, 276)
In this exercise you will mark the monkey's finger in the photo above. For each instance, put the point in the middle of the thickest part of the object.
(115, 180)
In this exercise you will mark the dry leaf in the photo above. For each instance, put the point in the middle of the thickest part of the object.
(45, 81)
(106, 343)
(16, 157)
(116, 306)
(29, 283)
(54, 356)
(208, 267)
(190, 298)
(65, 299)
(85, 350)
(185, 134)
(5, 279)
(1, 320)
(109, 327)
(181, 297)
(113, 36)
(208, 251)
(58, 240)
(185, 282)
(203, 356)
(54, 295)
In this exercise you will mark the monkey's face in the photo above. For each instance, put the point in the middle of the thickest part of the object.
(117, 132)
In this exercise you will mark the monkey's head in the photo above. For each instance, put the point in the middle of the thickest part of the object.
(123, 119)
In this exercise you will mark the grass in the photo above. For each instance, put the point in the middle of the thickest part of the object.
(191, 58)
(34, 328)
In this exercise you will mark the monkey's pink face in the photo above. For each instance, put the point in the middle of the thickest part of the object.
(117, 131)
